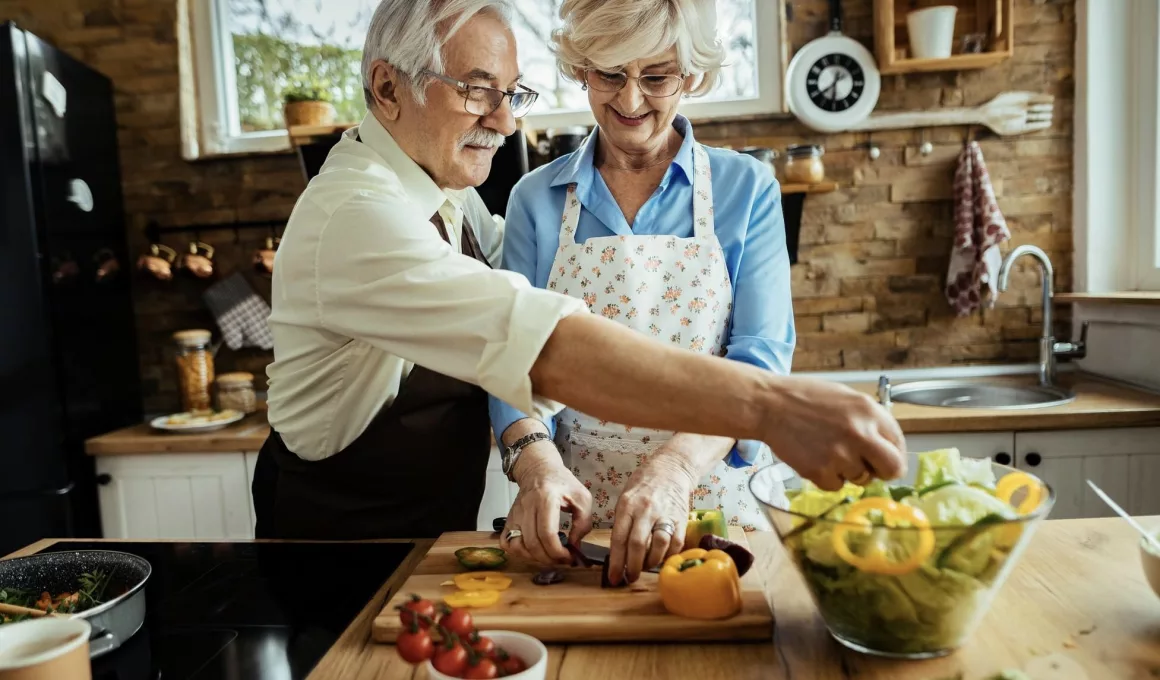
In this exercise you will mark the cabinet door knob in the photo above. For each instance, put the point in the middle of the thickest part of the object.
(1003, 458)
(1033, 459)
(104, 479)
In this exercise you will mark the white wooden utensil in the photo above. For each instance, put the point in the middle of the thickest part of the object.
(1120, 511)
(1011, 113)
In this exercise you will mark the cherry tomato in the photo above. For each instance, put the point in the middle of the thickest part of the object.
(512, 665)
(415, 645)
(458, 621)
(450, 660)
(416, 609)
(485, 668)
(483, 646)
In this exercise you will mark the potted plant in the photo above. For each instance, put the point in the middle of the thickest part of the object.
(307, 104)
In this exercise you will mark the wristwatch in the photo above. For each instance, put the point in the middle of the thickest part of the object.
(511, 453)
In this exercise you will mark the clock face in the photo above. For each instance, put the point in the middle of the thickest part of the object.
(835, 82)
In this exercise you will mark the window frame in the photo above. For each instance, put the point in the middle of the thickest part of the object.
(1116, 226)
(219, 130)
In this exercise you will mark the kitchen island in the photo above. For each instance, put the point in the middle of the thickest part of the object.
(1076, 607)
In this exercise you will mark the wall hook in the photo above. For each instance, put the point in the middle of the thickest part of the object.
(872, 149)
(926, 148)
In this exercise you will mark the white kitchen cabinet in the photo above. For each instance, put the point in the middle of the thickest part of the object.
(498, 493)
(1124, 462)
(190, 496)
(998, 446)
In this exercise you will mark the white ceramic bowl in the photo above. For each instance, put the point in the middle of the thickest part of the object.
(1151, 563)
(526, 647)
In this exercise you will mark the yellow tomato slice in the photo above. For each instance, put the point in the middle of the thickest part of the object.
(482, 580)
(472, 598)
(1013, 482)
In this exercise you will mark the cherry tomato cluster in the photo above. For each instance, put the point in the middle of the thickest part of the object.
(448, 638)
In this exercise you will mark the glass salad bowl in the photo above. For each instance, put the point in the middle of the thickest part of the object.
(907, 568)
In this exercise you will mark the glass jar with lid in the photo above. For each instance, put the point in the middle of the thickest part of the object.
(803, 164)
(236, 392)
(763, 154)
(195, 370)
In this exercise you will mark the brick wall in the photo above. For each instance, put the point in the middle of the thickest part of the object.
(867, 290)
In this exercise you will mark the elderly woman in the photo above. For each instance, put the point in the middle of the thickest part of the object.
(653, 230)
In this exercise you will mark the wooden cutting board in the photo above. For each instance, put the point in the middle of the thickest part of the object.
(578, 609)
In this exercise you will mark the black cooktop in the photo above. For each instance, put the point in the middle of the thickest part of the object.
(258, 611)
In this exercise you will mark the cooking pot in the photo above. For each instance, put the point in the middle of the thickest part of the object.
(114, 621)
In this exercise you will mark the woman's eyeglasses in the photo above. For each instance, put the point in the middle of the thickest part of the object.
(652, 85)
(480, 100)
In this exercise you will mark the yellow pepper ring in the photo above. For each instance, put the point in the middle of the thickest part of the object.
(472, 598)
(876, 562)
(482, 580)
(1010, 484)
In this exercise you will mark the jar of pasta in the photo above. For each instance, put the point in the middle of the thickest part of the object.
(236, 392)
(803, 164)
(194, 369)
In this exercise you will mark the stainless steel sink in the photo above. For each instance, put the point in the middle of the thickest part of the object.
(969, 394)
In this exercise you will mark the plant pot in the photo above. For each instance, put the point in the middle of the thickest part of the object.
(308, 113)
(931, 31)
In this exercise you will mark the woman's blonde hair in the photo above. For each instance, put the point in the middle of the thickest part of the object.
(607, 34)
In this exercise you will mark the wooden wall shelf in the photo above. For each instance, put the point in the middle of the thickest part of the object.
(1125, 298)
(994, 18)
(820, 188)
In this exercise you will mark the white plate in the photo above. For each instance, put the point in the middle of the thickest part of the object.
(161, 423)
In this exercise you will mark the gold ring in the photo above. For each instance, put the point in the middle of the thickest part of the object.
(862, 479)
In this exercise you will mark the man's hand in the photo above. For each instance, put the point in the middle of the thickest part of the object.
(547, 487)
(829, 433)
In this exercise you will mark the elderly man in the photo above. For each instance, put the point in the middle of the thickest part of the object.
(390, 326)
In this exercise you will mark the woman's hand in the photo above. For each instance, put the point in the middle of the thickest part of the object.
(657, 492)
(547, 487)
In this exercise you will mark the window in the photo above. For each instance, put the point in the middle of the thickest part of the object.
(249, 52)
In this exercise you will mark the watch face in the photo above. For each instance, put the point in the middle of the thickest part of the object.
(835, 82)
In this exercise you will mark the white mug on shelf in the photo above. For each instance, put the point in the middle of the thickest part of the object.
(931, 31)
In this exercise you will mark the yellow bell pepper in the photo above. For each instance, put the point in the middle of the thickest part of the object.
(876, 561)
(701, 584)
(1014, 481)
(472, 598)
(482, 580)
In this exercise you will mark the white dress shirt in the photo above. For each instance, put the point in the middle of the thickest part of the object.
(364, 288)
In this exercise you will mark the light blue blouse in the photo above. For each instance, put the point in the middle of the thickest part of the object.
(748, 222)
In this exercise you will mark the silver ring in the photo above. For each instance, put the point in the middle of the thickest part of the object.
(667, 527)
(513, 534)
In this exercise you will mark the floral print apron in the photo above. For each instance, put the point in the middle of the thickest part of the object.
(675, 289)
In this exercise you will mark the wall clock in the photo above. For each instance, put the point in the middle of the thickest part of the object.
(832, 82)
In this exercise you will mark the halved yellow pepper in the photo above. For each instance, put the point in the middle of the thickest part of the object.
(472, 598)
(701, 584)
(876, 561)
(482, 580)
(1014, 481)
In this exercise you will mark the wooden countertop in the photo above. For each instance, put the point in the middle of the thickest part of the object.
(1099, 403)
(1077, 600)
(248, 434)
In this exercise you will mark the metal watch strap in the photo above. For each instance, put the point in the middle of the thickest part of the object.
(512, 453)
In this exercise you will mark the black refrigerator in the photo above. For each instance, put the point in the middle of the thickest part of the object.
(68, 357)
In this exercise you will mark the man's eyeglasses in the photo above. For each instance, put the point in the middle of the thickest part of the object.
(480, 100)
(652, 85)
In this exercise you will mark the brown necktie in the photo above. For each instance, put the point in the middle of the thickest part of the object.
(469, 245)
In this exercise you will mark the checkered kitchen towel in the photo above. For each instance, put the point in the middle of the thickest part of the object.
(240, 312)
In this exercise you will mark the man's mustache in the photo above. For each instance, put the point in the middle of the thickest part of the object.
(481, 136)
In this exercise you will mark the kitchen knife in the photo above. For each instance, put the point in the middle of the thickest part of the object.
(596, 554)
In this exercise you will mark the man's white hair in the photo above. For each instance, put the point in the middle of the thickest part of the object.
(406, 34)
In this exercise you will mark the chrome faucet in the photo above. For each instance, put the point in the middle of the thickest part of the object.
(1049, 349)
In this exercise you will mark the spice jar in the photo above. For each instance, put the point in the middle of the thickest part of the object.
(236, 392)
(763, 154)
(194, 369)
(803, 164)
